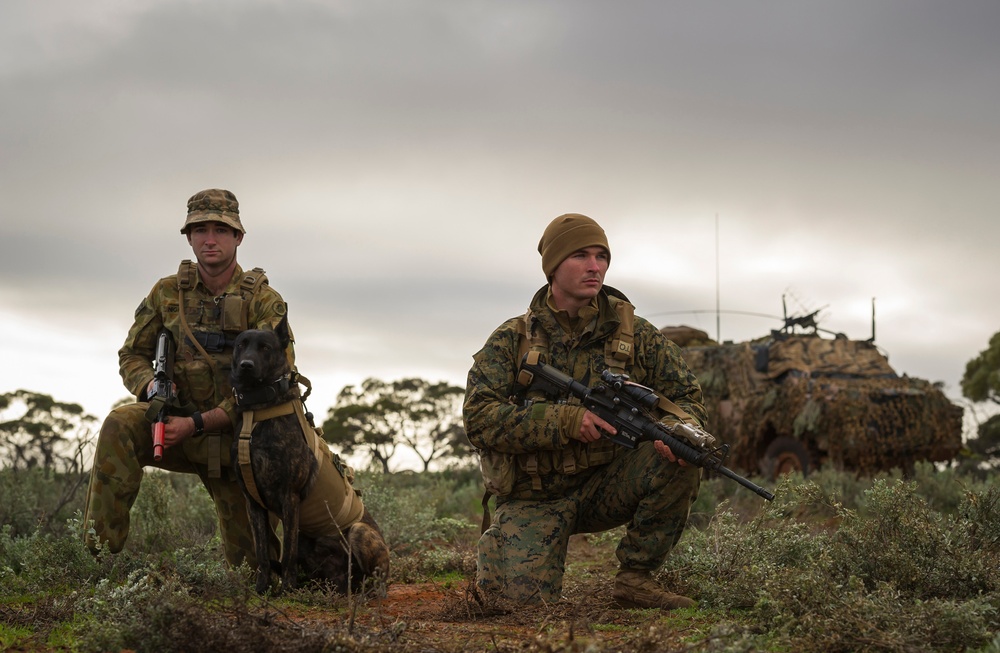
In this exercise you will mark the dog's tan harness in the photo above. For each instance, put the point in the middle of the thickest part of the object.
(349, 509)
(253, 417)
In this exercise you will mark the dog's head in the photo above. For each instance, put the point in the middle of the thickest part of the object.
(259, 356)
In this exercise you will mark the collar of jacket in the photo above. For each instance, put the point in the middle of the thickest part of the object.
(607, 319)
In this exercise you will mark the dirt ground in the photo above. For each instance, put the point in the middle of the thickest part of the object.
(445, 617)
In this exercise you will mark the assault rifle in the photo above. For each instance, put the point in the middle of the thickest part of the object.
(627, 406)
(163, 388)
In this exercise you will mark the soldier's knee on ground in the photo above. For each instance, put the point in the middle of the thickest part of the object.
(490, 572)
(525, 571)
(115, 477)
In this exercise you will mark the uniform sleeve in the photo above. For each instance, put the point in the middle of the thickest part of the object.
(664, 369)
(135, 358)
(267, 309)
(493, 420)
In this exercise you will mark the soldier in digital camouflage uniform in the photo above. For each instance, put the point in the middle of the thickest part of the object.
(204, 307)
(544, 458)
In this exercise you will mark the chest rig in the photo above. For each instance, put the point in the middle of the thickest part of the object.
(499, 469)
(212, 342)
(617, 350)
(618, 355)
(230, 316)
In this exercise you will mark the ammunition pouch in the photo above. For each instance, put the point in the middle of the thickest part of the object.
(498, 471)
(501, 470)
(575, 458)
(211, 450)
(213, 341)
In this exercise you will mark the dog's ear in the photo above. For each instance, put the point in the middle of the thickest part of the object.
(282, 331)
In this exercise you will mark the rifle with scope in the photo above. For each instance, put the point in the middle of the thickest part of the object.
(628, 408)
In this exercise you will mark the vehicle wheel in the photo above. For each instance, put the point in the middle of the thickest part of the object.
(785, 456)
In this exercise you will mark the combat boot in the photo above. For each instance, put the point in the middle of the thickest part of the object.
(637, 589)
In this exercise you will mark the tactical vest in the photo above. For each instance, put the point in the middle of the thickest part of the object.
(500, 470)
(210, 343)
(617, 350)
(228, 319)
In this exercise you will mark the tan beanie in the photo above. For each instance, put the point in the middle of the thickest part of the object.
(565, 235)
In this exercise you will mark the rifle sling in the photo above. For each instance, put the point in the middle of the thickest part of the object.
(668, 406)
(189, 333)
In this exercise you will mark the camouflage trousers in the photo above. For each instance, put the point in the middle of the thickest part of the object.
(522, 555)
(125, 447)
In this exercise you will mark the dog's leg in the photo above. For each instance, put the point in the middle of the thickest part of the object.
(290, 548)
(260, 527)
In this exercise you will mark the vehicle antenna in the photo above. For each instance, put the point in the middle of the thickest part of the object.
(873, 322)
(718, 328)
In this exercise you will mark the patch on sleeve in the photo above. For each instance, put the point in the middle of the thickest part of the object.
(538, 410)
(138, 309)
(279, 308)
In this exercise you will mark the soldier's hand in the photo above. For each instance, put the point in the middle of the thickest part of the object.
(176, 430)
(152, 384)
(593, 428)
(665, 452)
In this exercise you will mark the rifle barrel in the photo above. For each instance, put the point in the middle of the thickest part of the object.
(695, 456)
(748, 484)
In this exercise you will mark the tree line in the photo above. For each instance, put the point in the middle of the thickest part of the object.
(383, 421)
(380, 421)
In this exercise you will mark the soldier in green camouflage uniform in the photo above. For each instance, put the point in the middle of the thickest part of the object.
(544, 458)
(204, 307)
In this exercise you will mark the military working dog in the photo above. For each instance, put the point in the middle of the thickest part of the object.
(285, 468)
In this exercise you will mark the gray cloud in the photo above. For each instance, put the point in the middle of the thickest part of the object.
(396, 163)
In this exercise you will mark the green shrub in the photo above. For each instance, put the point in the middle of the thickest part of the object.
(171, 511)
(727, 563)
(835, 563)
(32, 498)
(410, 517)
(900, 577)
(810, 611)
(44, 562)
(920, 552)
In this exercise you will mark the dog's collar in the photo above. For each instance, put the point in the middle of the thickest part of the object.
(265, 394)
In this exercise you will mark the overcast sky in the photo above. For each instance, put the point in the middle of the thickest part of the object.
(397, 161)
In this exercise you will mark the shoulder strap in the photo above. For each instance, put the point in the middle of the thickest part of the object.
(186, 274)
(251, 281)
(249, 285)
(618, 354)
(529, 340)
(185, 281)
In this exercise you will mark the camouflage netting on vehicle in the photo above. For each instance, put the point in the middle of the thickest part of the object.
(685, 336)
(839, 398)
(816, 356)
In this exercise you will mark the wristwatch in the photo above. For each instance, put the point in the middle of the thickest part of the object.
(199, 423)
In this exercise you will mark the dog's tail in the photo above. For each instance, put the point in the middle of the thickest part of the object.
(369, 550)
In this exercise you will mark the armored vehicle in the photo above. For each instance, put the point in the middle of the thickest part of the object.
(793, 401)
